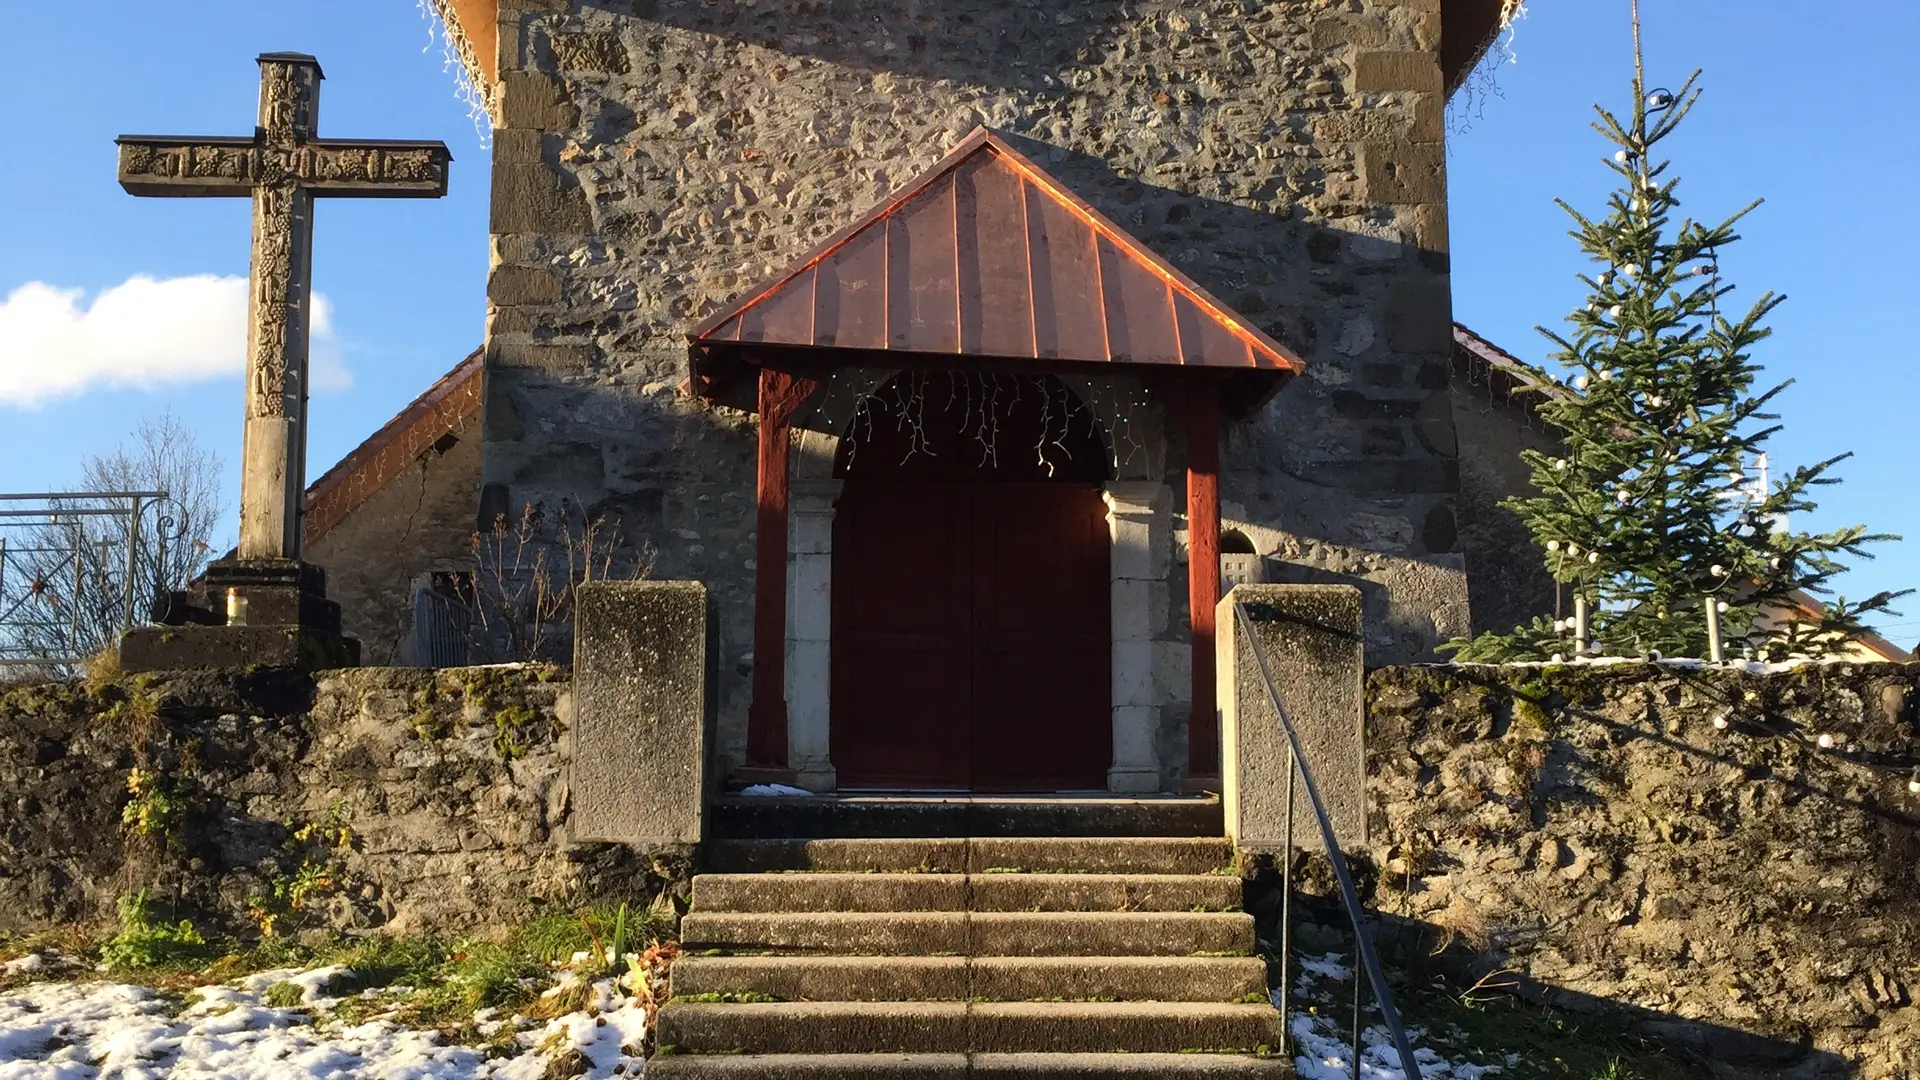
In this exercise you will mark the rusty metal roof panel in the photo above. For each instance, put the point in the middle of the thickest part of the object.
(987, 255)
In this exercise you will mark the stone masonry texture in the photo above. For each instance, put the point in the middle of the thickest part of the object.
(655, 159)
(452, 786)
(1749, 895)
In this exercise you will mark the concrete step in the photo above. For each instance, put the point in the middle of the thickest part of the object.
(838, 1027)
(825, 816)
(961, 892)
(972, 934)
(957, 978)
(1115, 855)
(968, 1067)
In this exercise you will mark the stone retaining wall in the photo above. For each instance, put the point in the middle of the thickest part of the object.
(450, 786)
(1751, 893)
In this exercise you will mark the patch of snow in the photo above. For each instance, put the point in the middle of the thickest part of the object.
(774, 789)
(25, 965)
(1324, 1046)
(106, 1031)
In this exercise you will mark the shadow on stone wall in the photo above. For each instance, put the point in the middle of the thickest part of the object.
(1020, 47)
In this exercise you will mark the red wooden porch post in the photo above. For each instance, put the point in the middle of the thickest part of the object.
(781, 394)
(1202, 416)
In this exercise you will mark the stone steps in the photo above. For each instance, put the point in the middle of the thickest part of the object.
(793, 893)
(909, 816)
(966, 978)
(971, 933)
(977, 855)
(969, 1067)
(903, 958)
(789, 1027)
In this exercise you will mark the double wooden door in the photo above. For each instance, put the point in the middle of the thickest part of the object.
(971, 636)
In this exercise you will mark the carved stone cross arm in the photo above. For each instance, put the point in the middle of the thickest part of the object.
(185, 167)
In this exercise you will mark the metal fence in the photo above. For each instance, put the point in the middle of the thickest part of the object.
(77, 569)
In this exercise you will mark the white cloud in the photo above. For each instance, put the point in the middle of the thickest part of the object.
(141, 334)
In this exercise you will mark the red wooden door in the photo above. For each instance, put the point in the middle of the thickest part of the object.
(971, 627)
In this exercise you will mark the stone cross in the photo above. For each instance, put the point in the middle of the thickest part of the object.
(282, 167)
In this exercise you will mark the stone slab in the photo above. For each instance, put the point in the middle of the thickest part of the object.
(1312, 635)
(206, 648)
(643, 708)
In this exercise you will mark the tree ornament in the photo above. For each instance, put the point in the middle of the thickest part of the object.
(1559, 626)
(1631, 270)
(1717, 570)
(1659, 100)
(1573, 549)
(1561, 465)
(1558, 658)
(1606, 375)
(1622, 156)
(1656, 400)
(1553, 545)
(1913, 782)
(1593, 556)
(1721, 606)
(1623, 496)
(1614, 311)
(1579, 382)
(1825, 740)
(1720, 722)
(1595, 648)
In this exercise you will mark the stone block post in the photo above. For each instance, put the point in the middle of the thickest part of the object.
(1312, 638)
(1139, 518)
(810, 631)
(643, 694)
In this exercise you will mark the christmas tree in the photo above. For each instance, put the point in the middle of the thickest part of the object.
(1651, 519)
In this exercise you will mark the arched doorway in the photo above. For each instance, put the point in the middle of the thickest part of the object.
(971, 644)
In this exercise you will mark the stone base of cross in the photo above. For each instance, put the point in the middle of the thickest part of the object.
(250, 613)
(264, 606)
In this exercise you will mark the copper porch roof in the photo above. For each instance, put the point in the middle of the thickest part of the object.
(987, 255)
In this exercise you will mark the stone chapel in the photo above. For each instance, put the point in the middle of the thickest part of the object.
(961, 349)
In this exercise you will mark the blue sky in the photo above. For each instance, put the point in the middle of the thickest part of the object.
(1807, 111)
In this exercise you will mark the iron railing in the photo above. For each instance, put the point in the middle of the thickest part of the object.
(79, 568)
(1350, 896)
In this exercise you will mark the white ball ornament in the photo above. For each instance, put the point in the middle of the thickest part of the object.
(1559, 626)
(1721, 607)
(1825, 741)
(1594, 648)
(1913, 785)
(1553, 545)
(1593, 556)
(1631, 270)
(1622, 156)
(1579, 382)
(1573, 549)
(1614, 311)
(1717, 570)
(1606, 376)
(1720, 723)
(1624, 496)
(1557, 658)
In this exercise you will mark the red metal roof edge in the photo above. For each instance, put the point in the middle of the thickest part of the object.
(1520, 379)
(980, 137)
(335, 480)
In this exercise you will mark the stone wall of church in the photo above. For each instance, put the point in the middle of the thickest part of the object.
(421, 521)
(1508, 575)
(653, 159)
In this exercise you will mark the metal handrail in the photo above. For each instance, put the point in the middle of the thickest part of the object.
(1369, 958)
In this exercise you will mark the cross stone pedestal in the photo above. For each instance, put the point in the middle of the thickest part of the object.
(280, 617)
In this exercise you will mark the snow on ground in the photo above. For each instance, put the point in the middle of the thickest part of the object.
(109, 1031)
(1324, 1044)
